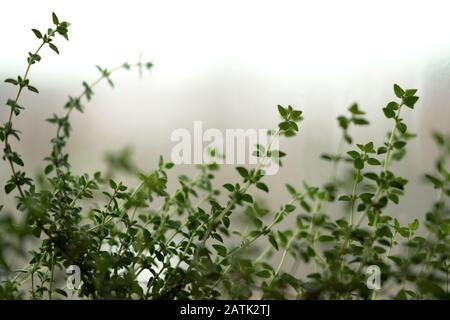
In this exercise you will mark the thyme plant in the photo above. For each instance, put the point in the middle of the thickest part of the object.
(144, 242)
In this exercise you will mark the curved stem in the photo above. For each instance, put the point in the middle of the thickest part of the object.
(11, 113)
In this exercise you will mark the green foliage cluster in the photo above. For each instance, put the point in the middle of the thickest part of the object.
(187, 242)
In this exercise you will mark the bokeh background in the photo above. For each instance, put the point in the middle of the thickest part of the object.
(229, 63)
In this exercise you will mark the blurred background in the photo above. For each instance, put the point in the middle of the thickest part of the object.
(229, 63)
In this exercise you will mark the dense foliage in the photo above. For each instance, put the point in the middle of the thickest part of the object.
(187, 242)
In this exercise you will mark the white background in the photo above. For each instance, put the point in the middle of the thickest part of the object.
(229, 63)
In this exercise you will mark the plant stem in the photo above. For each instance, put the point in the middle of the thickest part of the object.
(11, 113)
(247, 185)
(353, 200)
(387, 161)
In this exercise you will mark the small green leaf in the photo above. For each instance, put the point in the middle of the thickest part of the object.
(247, 198)
(414, 225)
(410, 101)
(358, 163)
(55, 18)
(53, 47)
(262, 186)
(402, 127)
(229, 187)
(12, 81)
(389, 113)
(273, 241)
(48, 169)
(263, 274)
(9, 187)
(355, 110)
(399, 92)
(283, 112)
(221, 250)
(435, 181)
(399, 144)
(112, 184)
(325, 238)
(32, 89)
(242, 171)
(373, 162)
(169, 165)
(354, 154)
(289, 208)
(37, 33)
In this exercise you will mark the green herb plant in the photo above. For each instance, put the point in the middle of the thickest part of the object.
(145, 242)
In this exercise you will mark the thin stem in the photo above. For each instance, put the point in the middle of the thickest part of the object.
(247, 185)
(52, 274)
(333, 175)
(387, 161)
(283, 257)
(353, 200)
(11, 113)
(32, 286)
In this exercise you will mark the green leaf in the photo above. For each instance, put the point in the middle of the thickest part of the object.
(112, 184)
(355, 110)
(373, 162)
(179, 196)
(354, 154)
(399, 92)
(344, 198)
(393, 197)
(410, 92)
(293, 125)
(371, 176)
(399, 144)
(229, 187)
(358, 164)
(242, 171)
(17, 160)
(438, 138)
(247, 198)
(9, 187)
(273, 241)
(414, 225)
(291, 189)
(402, 127)
(169, 165)
(221, 250)
(284, 125)
(262, 186)
(263, 274)
(37, 33)
(12, 81)
(61, 292)
(410, 101)
(48, 169)
(360, 121)
(55, 18)
(389, 113)
(289, 208)
(381, 150)
(53, 47)
(33, 89)
(283, 112)
(325, 238)
(435, 181)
